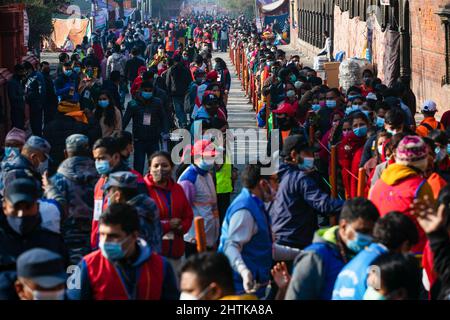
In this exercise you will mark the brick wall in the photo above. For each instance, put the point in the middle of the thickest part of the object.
(350, 35)
(428, 53)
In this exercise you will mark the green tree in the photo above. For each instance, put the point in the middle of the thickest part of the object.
(246, 7)
(39, 16)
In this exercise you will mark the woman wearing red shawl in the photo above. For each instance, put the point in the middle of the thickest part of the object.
(350, 153)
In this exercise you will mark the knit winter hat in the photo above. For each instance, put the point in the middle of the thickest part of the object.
(411, 151)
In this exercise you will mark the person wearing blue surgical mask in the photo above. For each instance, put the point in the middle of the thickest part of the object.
(332, 248)
(352, 282)
(360, 126)
(150, 124)
(199, 187)
(123, 253)
(350, 151)
(333, 102)
(107, 114)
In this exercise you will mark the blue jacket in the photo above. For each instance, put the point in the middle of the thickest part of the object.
(295, 209)
(351, 283)
(62, 87)
(317, 267)
(257, 253)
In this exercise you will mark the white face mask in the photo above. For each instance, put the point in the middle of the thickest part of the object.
(380, 149)
(47, 295)
(190, 296)
(187, 296)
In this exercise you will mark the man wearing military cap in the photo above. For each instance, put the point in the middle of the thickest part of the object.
(40, 275)
(75, 180)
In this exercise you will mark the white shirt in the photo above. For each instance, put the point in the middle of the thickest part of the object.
(241, 229)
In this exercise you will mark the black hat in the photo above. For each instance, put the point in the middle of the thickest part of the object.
(295, 142)
(43, 267)
(21, 190)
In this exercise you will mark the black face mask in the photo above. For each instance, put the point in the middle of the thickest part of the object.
(23, 225)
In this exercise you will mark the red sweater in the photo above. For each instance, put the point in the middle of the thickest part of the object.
(172, 203)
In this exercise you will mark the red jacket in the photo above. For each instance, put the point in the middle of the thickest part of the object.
(395, 191)
(172, 203)
(98, 51)
(106, 282)
(349, 155)
(428, 264)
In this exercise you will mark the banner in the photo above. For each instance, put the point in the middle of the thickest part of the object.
(281, 19)
(26, 28)
(75, 29)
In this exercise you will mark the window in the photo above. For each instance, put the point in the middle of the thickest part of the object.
(444, 14)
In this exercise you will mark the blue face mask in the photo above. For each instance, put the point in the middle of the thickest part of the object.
(331, 103)
(351, 109)
(77, 69)
(437, 150)
(205, 165)
(146, 95)
(352, 97)
(293, 78)
(103, 103)
(113, 251)
(372, 294)
(11, 152)
(315, 107)
(380, 122)
(360, 132)
(68, 73)
(308, 164)
(359, 242)
(102, 166)
(448, 149)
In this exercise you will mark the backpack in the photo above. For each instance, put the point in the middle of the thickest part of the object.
(117, 65)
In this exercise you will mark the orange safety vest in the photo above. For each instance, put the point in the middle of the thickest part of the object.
(170, 44)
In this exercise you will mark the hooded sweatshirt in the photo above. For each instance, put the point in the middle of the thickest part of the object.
(317, 267)
(398, 186)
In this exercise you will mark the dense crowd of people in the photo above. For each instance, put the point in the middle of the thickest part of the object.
(82, 221)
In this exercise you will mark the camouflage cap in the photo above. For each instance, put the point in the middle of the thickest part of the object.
(77, 142)
(39, 144)
(121, 179)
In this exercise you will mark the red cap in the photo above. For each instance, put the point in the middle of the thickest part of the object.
(287, 108)
(203, 148)
(212, 75)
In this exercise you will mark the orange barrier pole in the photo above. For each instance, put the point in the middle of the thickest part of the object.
(238, 62)
(361, 182)
(311, 136)
(333, 180)
(200, 236)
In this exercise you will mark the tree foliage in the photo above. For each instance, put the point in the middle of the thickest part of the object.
(39, 16)
(246, 7)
